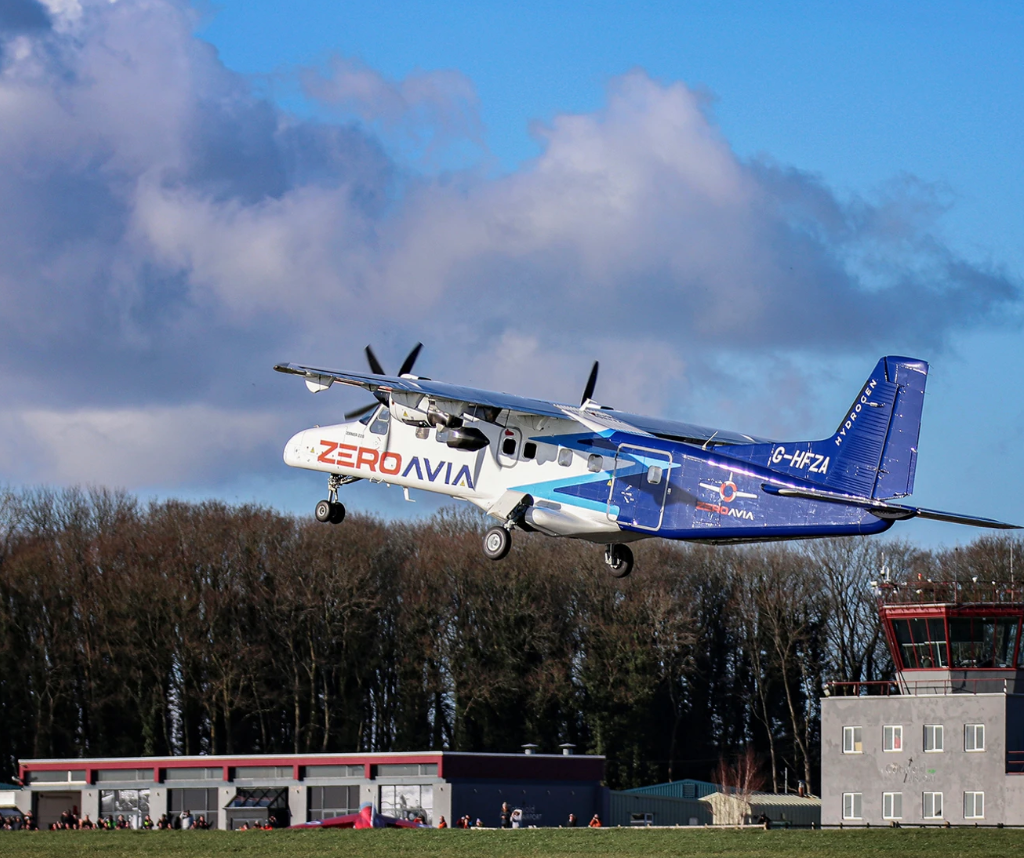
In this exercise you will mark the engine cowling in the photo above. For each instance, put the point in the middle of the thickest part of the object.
(463, 438)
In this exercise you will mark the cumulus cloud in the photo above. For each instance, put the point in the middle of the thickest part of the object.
(166, 235)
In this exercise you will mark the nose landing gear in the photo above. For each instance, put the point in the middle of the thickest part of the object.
(619, 559)
(330, 510)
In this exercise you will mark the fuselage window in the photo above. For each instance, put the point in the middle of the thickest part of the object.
(564, 457)
(508, 446)
(529, 450)
(423, 432)
(381, 422)
(654, 475)
(595, 463)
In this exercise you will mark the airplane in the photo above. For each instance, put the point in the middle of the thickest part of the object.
(609, 477)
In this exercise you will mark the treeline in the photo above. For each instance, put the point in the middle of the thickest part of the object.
(179, 628)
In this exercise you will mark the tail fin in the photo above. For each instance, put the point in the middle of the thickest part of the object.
(873, 453)
(876, 444)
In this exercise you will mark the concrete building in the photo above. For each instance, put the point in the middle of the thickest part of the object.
(230, 790)
(944, 742)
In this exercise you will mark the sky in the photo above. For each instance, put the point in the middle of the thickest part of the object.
(736, 207)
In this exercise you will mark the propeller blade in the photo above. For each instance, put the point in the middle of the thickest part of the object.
(410, 359)
(359, 412)
(375, 366)
(588, 391)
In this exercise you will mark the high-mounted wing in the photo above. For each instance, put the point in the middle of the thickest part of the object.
(318, 379)
(321, 379)
(883, 509)
(688, 433)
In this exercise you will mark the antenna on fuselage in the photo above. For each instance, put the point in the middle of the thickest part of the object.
(588, 391)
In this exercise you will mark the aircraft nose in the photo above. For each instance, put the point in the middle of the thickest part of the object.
(296, 451)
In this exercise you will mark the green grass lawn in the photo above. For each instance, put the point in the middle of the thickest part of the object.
(542, 843)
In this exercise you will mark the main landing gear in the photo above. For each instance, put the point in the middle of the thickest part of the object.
(619, 559)
(497, 542)
(330, 510)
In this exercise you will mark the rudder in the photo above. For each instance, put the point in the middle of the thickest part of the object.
(876, 443)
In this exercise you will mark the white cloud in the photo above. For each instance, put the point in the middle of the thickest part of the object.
(159, 219)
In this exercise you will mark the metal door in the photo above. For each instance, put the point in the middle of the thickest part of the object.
(639, 486)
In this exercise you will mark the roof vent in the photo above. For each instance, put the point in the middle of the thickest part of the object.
(567, 748)
(530, 748)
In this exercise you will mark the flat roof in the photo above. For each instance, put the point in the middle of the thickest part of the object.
(450, 764)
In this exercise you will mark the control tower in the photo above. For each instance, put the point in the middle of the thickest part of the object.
(942, 743)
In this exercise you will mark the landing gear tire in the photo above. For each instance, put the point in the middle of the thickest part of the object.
(497, 542)
(619, 559)
(337, 513)
(323, 511)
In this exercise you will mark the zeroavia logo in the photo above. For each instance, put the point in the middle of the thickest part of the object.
(728, 511)
(390, 464)
(861, 404)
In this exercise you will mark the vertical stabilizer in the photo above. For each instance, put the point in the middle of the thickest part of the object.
(873, 452)
(876, 443)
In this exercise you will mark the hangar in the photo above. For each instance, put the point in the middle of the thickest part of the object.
(232, 790)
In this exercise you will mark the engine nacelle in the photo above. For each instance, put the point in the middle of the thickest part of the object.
(463, 438)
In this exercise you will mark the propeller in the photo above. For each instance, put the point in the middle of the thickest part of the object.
(377, 369)
(588, 391)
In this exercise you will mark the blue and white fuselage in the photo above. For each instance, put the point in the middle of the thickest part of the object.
(613, 478)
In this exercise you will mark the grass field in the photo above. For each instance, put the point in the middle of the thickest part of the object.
(542, 843)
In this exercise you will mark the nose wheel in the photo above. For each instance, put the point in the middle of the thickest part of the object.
(619, 559)
(328, 512)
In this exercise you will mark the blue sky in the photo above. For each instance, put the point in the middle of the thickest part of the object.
(736, 207)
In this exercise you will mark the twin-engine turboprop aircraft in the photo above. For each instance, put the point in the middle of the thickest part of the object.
(591, 472)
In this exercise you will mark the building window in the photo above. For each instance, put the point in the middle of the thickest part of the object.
(974, 805)
(406, 770)
(851, 740)
(132, 804)
(933, 739)
(932, 808)
(326, 802)
(974, 737)
(892, 738)
(408, 801)
(892, 805)
(201, 802)
(851, 805)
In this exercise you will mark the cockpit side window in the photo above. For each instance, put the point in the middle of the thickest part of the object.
(381, 421)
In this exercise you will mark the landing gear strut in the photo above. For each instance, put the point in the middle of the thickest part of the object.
(330, 510)
(619, 559)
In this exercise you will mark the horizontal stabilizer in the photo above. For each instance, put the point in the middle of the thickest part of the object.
(888, 511)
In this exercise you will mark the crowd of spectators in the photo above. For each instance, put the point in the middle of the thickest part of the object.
(71, 821)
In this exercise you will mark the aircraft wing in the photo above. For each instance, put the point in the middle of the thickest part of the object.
(321, 379)
(689, 433)
(883, 509)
